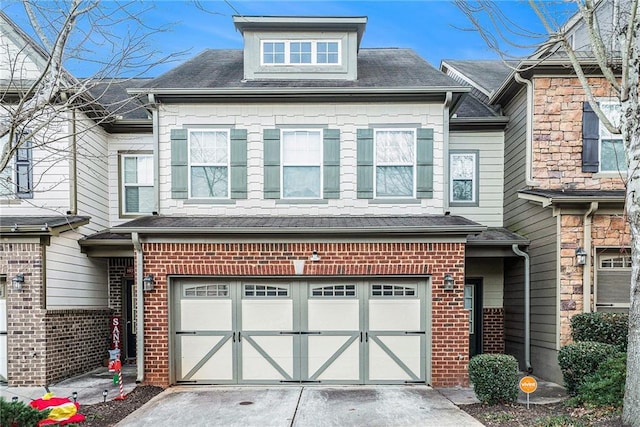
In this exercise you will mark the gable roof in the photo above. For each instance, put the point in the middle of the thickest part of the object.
(377, 68)
(486, 75)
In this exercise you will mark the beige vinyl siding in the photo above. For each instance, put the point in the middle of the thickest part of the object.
(540, 227)
(122, 144)
(490, 147)
(492, 273)
(92, 179)
(347, 118)
(74, 280)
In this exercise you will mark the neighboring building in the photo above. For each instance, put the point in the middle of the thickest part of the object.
(565, 192)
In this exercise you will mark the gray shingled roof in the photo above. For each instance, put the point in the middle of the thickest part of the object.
(112, 95)
(579, 196)
(496, 236)
(223, 69)
(297, 224)
(487, 74)
(473, 107)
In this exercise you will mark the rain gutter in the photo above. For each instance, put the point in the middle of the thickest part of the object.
(139, 308)
(527, 307)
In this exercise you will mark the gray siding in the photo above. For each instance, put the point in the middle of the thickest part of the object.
(539, 226)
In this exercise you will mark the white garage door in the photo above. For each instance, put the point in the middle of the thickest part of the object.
(298, 332)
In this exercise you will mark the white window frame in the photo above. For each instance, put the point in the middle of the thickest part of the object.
(277, 288)
(192, 164)
(395, 287)
(314, 53)
(474, 179)
(124, 185)
(211, 291)
(376, 163)
(320, 163)
(604, 134)
(328, 291)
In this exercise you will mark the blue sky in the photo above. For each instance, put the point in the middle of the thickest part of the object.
(432, 28)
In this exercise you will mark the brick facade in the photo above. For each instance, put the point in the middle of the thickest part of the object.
(77, 341)
(493, 330)
(45, 346)
(449, 329)
(118, 269)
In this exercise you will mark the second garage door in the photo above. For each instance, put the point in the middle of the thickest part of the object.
(299, 332)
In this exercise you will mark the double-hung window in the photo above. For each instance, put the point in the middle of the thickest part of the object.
(612, 157)
(464, 177)
(395, 162)
(209, 164)
(137, 184)
(302, 164)
(300, 52)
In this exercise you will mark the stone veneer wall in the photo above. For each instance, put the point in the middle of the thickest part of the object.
(449, 319)
(606, 230)
(493, 330)
(77, 341)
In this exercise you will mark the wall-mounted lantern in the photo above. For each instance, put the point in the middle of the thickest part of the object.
(148, 283)
(448, 282)
(581, 256)
(17, 282)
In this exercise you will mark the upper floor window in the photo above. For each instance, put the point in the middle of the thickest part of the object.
(463, 186)
(209, 163)
(302, 164)
(137, 184)
(612, 157)
(395, 162)
(17, 176)
(301, 52)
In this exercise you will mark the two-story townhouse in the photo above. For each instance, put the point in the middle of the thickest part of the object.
(54, 300)
(319, 215)
(564, 190)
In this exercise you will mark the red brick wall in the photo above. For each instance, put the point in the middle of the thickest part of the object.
(77, 341)
(449, 330)
(25, 314)
(493, 330)
(117, 270)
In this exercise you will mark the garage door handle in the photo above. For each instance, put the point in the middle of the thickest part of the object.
(360, 336)
(234, 337)
(366, 337)
(186, 333)
(414, 333)
(288, 333)
(604, 305)
(310, 333)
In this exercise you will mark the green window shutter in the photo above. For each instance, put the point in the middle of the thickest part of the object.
(271, 139)
(238, 163)
(179, 164)
(424, 164)
(590, 139)
(365, 164)
(331, 157)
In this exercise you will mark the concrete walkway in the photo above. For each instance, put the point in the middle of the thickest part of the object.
(90, 387)
(306, 406)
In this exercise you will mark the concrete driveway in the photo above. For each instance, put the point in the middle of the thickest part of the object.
(300, 406)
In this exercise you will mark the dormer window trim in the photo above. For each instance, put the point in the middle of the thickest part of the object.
(293, 52)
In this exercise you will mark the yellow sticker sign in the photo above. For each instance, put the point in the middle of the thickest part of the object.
(528, 384)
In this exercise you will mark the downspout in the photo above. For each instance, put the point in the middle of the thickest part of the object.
(73, 167)
(445, 148)
(139, 308)
(156, 149)
(527, 307)
(586, 272)
(529, 136)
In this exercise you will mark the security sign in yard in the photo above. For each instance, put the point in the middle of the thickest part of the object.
(528, 385)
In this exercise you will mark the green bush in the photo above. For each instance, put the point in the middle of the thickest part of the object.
(580, 359)
(605, 387)
(494, 377)
(610, 328)
(19, 414)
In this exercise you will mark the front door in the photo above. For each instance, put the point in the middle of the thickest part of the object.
(473, 303)
(128, 313)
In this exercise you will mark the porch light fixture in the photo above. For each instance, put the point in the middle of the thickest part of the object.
(314, 256)
(448, 282)
(148, 282)
(581, 256)
(17, 282)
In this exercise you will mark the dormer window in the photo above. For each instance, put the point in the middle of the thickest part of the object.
(301, 52)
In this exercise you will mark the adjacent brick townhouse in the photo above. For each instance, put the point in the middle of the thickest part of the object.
(564, 191)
